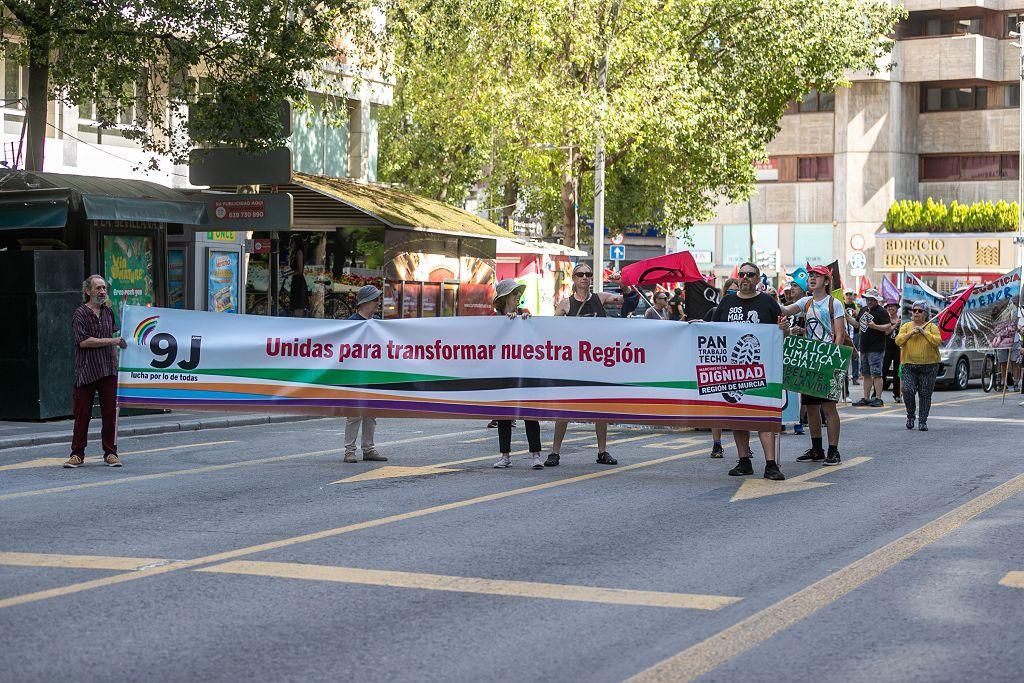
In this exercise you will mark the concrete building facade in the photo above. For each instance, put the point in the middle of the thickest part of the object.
(941, 122)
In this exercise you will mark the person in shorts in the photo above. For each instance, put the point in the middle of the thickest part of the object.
(891, 359)
(873, 322)
(824, 320)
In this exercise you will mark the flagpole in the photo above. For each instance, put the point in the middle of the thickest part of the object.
(117, 393)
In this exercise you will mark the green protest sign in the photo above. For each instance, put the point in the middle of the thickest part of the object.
(814, 368)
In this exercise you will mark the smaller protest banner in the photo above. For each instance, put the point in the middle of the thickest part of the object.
(814, 368)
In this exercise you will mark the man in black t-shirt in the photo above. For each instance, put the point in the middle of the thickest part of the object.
(750, 306)
(675, 305)
(891, 359)
(873, 323)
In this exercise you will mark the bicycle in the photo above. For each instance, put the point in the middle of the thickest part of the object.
(991, 380)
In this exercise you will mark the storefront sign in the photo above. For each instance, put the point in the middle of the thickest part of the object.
(814, 368)
(951, 252)
(715, 374)
(267, 211)
(224, 236)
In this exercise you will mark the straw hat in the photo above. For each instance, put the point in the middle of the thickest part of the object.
(506, 287)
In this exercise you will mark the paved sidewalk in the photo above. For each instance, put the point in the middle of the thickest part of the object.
(20, 434)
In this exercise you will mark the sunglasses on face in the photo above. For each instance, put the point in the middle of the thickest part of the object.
(917, 310)
(747, 273)
(583, 274)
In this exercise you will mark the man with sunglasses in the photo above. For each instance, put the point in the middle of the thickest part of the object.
(660, 310)
(750, 306)
(582, 303)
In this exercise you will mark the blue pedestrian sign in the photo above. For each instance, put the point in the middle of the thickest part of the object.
(617, 252)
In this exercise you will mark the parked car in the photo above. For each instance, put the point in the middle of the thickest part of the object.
(957, 367)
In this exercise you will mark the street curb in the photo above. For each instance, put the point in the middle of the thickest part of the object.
(170, 427)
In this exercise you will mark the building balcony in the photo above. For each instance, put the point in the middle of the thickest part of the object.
(951, 58)
(932, 5)
(968, 132)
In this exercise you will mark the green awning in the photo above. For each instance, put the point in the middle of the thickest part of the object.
(21, 212)
(104, 208)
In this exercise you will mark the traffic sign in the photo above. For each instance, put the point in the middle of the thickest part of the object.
(617, 239)
(617, 252)
(858, 262)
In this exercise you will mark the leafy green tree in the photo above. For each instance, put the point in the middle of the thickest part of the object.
(694, 92)
(136, 63)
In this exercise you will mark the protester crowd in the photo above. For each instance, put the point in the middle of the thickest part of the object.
(887, 354)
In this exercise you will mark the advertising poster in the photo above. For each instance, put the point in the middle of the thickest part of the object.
(726, 375)
(128, 267)
(222, 281)
(176, 278)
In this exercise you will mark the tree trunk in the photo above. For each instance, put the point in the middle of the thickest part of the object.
(509, 198)
(35, 110)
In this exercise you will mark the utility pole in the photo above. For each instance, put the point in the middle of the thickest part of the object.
(602, 88)
(1019, 240)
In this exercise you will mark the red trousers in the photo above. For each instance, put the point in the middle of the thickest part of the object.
(81, 406)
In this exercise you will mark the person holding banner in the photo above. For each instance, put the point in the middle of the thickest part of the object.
(750, 306)
(96, 343)
(506, 302)
(367, 301)
(824, 321)
(660, 310)
(582, 303)
(919, 340)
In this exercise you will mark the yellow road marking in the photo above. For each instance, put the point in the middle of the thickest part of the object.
(1013, 580)
(679, 442)
(329, 533)
(389, 471)
(711, 653)
(758, 488)
(463, 584)
(127, 564)
(46, 462)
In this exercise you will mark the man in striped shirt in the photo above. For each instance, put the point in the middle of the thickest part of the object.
(96, 341)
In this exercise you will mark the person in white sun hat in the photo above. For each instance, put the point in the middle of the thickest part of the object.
(506, 302)
(873, 322)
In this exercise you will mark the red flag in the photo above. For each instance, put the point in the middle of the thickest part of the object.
(678, 267)
(865, 284)
(950, 315)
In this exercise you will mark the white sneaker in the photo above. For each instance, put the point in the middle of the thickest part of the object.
(538, 462)
(503, 462)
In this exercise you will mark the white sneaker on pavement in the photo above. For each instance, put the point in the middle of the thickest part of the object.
(538, 462)
(504, 461)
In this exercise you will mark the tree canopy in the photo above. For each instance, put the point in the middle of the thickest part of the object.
(507, 91)
(136, 63)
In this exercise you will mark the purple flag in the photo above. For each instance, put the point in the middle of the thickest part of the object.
(890, 294)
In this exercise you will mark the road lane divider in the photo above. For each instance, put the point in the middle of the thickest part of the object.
(46, 462)
(337, 531)
(707, 655)
(1012, 580)
(391, 471)
(759, 488)
(125, 564)
(464, 584)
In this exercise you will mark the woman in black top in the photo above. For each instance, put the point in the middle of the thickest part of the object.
(298, 292)
(583, 303)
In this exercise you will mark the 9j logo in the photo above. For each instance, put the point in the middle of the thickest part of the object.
(165, 347)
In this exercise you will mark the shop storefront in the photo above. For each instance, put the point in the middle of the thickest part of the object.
(54, 230)
(429, 258)
(945, 261)
(545, 268)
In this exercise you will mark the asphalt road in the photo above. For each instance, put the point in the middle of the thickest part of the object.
(233, 554)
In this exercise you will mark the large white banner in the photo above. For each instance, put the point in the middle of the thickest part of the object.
(590, 369)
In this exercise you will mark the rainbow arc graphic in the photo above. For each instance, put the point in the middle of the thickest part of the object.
(144, 329)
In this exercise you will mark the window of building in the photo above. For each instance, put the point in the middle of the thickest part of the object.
(318, 146)
(1011, 95)
(1013, 22)
(812, 243)
(815, 101)
(969, 167)
(698, 238)
(939, 26)
(14, 82)
(735, 244)
(814, 168)
(953, 99)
